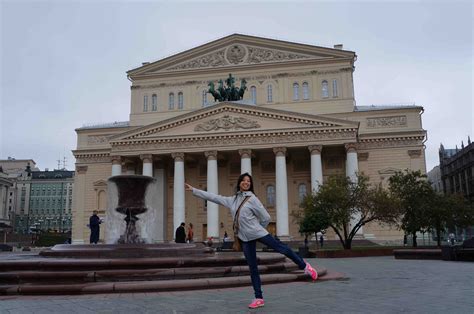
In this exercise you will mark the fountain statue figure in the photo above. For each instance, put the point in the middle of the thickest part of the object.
(131, 202)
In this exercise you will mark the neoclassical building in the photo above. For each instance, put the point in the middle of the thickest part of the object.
(296, 125)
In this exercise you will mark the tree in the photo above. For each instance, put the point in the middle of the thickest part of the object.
(339, 201)
(414, 196)
(448, 212)
(314, 218)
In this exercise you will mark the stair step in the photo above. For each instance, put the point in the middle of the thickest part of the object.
(153, 285)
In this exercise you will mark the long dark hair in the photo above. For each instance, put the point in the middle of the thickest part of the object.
(240, 179)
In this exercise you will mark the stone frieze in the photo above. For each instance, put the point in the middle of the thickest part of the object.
(227, 123)
(235, 140)
(210, 60)
(387, 122)
(259, 55)
(97, 139)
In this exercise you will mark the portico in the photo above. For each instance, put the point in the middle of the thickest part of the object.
(227, 140)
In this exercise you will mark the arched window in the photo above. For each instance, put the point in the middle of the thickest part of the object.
(270, 196)
(269, 93)
(334, 88)
(145, 103)
(253, 94)
(305, 91)
(324, 89)
(154, 102)
(301, 192)
(171, 101)
(296, 91)
(204, 98)
(180, 100)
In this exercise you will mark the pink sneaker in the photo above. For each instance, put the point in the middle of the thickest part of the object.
(256, 303)
(308, 270)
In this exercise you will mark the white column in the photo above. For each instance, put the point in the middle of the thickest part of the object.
(352, 168)
(245, 161)
(178, 190)
(212, 186)
(316, 167)
(116, 165)
(147, 164)
(281, 194)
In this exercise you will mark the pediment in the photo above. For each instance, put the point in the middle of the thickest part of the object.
(232, 118)
(239, 50)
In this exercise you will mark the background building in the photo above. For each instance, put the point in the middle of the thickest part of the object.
(457, 170)
(296, 125)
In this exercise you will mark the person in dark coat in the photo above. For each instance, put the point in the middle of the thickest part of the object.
(180, 235)
(94, 224)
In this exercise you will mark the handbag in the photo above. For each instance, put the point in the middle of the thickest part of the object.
(236, 246)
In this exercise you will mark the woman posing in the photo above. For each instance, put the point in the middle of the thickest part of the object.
(250, 225)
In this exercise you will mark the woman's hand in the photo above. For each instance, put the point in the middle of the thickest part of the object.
(188, 187)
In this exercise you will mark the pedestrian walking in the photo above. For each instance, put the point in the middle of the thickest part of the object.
(180, 234)
(94, 224)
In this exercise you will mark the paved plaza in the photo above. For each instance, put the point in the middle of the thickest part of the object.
(373, 285)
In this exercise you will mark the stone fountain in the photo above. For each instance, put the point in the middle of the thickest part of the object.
(129, 195)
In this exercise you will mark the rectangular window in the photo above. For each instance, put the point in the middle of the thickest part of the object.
(334, 88)
(145, 103)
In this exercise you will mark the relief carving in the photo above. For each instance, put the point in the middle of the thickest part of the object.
(387, 122)
(258, 55)
(97, 139)
(207, 61)
(227, 123)
(236, 54)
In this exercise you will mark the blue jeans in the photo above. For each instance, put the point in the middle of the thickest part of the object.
(250, 252)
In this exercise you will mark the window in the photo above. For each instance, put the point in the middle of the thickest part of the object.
(204, 98)
(296, 91)
(154, 102)
(171, 102)
(324, 89)
(269, 93)
(270, 196)
(180, 100)
(334, 88)
(305, 91)
(301, 192)
(145, 103)
(253, 94)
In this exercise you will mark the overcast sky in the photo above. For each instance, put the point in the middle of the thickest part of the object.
(63, 63)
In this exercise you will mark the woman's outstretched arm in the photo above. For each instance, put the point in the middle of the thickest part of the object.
(225, 201)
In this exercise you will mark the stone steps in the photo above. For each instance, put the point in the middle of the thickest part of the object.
(115, 275)
(148, 286)
(158, 269)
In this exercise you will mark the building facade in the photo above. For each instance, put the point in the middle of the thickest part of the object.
(296, 125)
(457, 170)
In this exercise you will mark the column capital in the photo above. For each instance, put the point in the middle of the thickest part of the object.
(245, 153)
(116, 160)
(211, 155)
(351, 147)
(279, 151)
(178, 156)
(81, 169)
(146, 158)
(315, 149)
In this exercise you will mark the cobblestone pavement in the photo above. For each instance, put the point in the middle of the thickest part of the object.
(374, 285)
